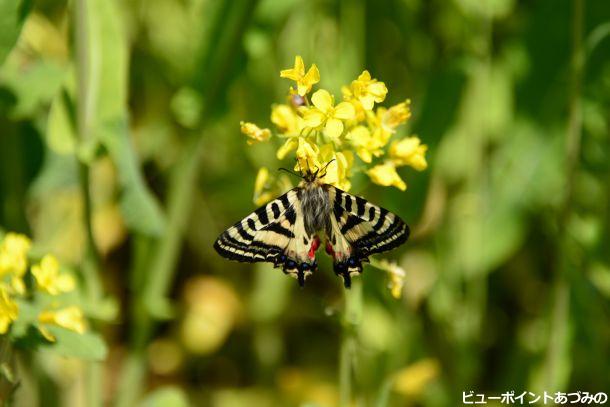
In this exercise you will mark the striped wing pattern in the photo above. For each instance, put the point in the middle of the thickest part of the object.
(273, 233)
(358, 229)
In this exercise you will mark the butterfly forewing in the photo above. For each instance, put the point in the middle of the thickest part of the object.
(273, 233)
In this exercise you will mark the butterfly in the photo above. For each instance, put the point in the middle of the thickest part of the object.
(286, 231)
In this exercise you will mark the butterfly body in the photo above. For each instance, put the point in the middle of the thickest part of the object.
(287, 230)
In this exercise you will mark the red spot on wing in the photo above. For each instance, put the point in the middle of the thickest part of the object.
(314, 246)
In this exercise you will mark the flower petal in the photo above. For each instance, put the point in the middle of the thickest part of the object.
(313, 118)
(345, 111)
(386, 175)
(368, 101)
(261, 179)
(302, 88)
(299, 66)
(312, 76)
(287, 147)
(334, 128)
(379, 90)
(364, 76)
(322, 100)
(409, 151)
(289, 74)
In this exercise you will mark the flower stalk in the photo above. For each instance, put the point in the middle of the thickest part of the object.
(348, 352)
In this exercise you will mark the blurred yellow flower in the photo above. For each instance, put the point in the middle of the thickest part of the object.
(261, 195)
(304, 80)
(18, 285)
(254, 133)
(212, 309)
(288, 146)
(8, 310)
(13, 254)
(326, 114)
(286, 119)
(364, 143)
(368, 91)
(397, 280)
(396, 115)
(348, 96)
(412, 380)
(165, 356)
(409, 151)
(71, 318)
(49, 279)
(337, 172)
(385, 174)
(290, 125)
(307, 156)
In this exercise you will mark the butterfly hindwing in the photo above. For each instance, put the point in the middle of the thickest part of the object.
(273, 233)
(358, 229)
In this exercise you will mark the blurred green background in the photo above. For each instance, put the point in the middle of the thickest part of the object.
(120, 152)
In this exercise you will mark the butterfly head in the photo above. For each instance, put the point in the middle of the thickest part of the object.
(317, 173)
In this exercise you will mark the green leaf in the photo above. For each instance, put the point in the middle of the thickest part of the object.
(107, 54)
(10, 26)
(107, 98)
(34, 87)
(168, 396)
(140, 209)
(87, 346)
(61, 134)
(28, 314)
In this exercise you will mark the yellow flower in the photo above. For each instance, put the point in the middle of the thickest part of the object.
(338, 171)
(396, 115)
(366, 146)
(386, 175)
(368, 91)
(13, 254)
(48, 277)
(397, 280)
(255, 133)
(8, 310)
(307, 156)
(304, 80)
(261, 194)
(384, 121)
(412, 380)
(290, 124)
(348, 96)
(286, 119)
(396, 274)
(326, 114)
(288, 146)
(71, 318)
(409, 151)
(18, 285)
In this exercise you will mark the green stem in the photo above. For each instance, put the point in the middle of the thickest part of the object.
(348, 351)
(559, 341)
(90, 266)
(228, 22)
(352, 29)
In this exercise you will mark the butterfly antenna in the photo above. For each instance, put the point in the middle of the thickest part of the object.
(324, 168)
(290, 172)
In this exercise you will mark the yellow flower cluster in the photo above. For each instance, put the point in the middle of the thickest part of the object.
(396, 275)
(48, 279)
(321, 130)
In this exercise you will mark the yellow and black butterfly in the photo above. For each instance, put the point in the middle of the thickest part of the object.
(284, 231)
